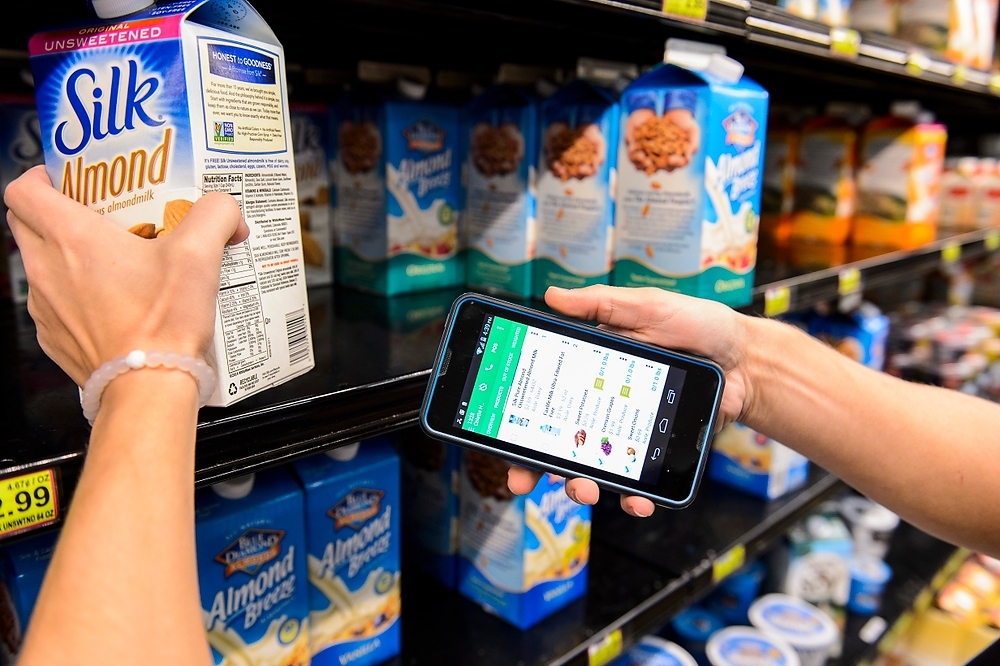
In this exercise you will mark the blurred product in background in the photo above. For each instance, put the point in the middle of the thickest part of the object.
(749, 461)
(20, 149)
(310, 124)
(655, 651)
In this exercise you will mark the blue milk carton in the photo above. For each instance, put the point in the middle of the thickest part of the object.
(690, 163)
(20, 149)
(499, 216)
(430, 490)
(251, 546)
(575, 200)
(140, 117)
(744, 459)
(524, 557)
(352, 511)
(310, 125)
(397, 191)
(861, 335)
(22, 566)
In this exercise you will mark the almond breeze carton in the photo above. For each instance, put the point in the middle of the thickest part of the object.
(251, 545)
(690, 168)
(310, 125)
(575, 192)
(499, 215)
(397, 189)
(22, 569)
(20, 149)
(524, 557)
(352, 514)
(140, 116)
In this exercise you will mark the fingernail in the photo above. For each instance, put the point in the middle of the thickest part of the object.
(557, 289)
(641, 513)
(571, 493)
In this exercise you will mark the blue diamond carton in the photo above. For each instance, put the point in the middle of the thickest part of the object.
(690, 168)
(522, 558)
(20, 149)
(22, 569)
(499, 215)
(310, 124)
(430, 488)
(352, 512)
(396, 170)
(576, 178)
(251, 546)
(744, 459)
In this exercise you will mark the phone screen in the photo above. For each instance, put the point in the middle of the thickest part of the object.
(576, 400)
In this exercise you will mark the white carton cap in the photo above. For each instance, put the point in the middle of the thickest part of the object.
(411, 89)
(701, 57)
(344, 453)
(114, 8)
(234, 489)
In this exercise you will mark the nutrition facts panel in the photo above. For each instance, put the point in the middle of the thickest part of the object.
(240, 308)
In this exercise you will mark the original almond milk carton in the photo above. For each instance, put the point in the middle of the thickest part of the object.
(140, 116)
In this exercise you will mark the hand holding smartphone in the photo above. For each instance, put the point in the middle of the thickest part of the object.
(573, 400)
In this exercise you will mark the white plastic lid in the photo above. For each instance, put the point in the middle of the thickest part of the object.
(736, 646)
(700, 57)
(801, 624)
(656, 651)
(411, 89)
(234, 489)
(879, 519)
(114, 8)
(905, 109)
(545, 88)
(344, 453)
(870, 570)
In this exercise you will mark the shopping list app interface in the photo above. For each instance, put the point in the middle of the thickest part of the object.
(571, 399)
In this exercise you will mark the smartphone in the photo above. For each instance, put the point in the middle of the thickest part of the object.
(572, 399)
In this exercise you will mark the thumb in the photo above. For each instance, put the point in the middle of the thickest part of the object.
(213, 221)
(619, 307)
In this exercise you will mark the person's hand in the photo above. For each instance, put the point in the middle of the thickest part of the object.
(97, 292)
(668, 320)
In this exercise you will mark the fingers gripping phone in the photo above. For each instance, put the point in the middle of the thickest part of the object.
(573, 400)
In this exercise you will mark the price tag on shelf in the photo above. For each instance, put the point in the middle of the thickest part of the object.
(951, 252)
(917, 62)
(728, 562)
(777, 301)
(992, 240)
(960, 76)
(28, 502)
(606, 649)
(995, 83)
(696, 9)
(849, 282)
(845, 42)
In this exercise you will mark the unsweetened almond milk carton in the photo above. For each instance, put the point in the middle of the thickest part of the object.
(142, 114)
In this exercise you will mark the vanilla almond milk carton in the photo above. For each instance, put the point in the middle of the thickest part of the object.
(690, 170)
(141, 115)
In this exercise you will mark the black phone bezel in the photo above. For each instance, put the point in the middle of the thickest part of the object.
(690, 436)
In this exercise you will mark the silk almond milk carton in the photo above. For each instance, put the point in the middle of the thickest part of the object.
(139, 116)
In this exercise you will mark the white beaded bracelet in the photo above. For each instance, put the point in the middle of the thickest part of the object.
(90, 396)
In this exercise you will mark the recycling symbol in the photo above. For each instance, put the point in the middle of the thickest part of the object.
(232, 388)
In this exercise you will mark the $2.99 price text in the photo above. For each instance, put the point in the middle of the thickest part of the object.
(27, 502)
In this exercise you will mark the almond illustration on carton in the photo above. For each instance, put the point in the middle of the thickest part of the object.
(143, 230)
(174, 212)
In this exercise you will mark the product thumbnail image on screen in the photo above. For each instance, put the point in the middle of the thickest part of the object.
(569, 398)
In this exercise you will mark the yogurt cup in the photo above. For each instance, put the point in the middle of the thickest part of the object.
(868, 579)
(746, 646)
(803, 626)
(872, 526)
(655, 651)
(693, 628)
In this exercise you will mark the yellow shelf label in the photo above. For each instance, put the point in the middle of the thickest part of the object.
(27, 502)
(961, 75)
(728, 562)
(849, 282)
(951, 252)
(995, 83)
(777, 301)
(917, 63)
(992, 240)
(845, 42)
(607, 649)
(696, 9)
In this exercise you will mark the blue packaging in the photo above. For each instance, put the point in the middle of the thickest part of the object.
(396, 170)
(522, 557)
(22, 566)
(430, 491)
(310, 124)
(575, 200)
(499, 220)
(693, 627)
(869, 577)
(690, 166)
(862, 335)
(732, 598)
(251, 569)
(352, 517)
(654, 651)
(20, 149)
(744, 459)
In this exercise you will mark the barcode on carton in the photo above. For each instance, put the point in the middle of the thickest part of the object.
(298, 337)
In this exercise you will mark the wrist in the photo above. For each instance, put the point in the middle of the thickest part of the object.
(138, 391)
(757, 363)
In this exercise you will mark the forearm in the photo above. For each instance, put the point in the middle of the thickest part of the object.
(931, 454)
(129, 537)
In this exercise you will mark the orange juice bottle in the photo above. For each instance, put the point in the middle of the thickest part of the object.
(825, 193)
(902, 157)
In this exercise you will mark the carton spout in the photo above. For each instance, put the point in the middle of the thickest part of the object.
(114, 8)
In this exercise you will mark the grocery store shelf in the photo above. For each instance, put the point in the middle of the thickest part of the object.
(641, 573)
